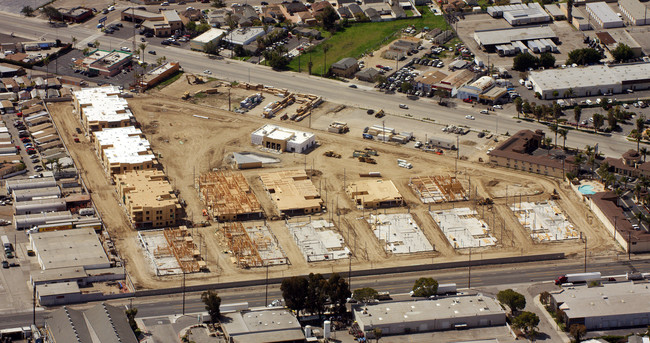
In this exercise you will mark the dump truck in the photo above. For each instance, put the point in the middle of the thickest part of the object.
(331, 153)
(577, 278)
(367, 159)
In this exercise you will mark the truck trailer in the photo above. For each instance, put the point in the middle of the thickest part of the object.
(577, 278)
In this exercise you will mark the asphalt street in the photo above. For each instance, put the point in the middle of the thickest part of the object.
(332, 90)
(397, 284)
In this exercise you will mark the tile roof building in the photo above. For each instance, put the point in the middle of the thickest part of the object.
(102, 323)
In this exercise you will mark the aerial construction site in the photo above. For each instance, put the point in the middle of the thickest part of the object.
(308, 211)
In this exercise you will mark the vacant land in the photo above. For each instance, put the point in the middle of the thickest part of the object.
(362, 38)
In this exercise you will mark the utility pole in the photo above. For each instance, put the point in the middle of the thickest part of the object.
(349, 265)
(469, 270)
(34, 305)
(183, 291)
(266, 296)
(585, 253)
(629, 245)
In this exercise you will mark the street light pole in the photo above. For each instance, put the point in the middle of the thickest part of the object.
(469, 270)
(585, 253)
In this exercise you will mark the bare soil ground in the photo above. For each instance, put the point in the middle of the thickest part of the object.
(189, 145)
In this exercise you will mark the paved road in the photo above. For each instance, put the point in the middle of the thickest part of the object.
(397, 284)
(330, 89)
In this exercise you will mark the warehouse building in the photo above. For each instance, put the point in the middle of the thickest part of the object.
(591, 80)
(243, 36)
(476, 88)
(608, 306)
(43, 182)
(489, 39)
(408, 317)
(36, 193)
(149, 198)
(211, 36)
(555, 11)
(124, 149)
(375, 194)
(635, 11)
(158, 74)
(276, 325)
(101, 107)
(520, 14)
(69, 248)
(604, 15)
(292, 192)
(60, 219)
(611, 39)
(38, 206)
(282, 139)
(102, 323)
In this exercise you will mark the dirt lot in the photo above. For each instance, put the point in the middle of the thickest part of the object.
(189, 145)
(569, 37)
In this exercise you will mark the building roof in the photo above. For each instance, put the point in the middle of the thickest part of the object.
(374, 190)
(243, 36)
(608, 204)
(603, 12)
(269, 325)
(171, 15)
(320, 6)
(609, 299)
(385, 314)
(124, 145)
(344, 63)
(143, 14)
(282, 133)
(103, 104)
(635, 8)
(516, 147)
(291, 189)
(210, 35)
(69, 248)
(508, 35)
(369, 73)
(57, 288)
(554, 10)
(146, 188)
(57, 274)
(102, 323)
(590, 76)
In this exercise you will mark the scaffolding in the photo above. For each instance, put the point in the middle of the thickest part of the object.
(181, 244)
(253, 246)
(438, 189)
(228, 196)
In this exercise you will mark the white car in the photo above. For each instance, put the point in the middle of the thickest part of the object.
(470, 117)
(498, 107)
(403, 106)
(124, 48)
(484, 112)
(588, 102)
(522, 81)
(207, 72)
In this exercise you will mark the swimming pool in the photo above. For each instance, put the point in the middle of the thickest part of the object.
(586, 189)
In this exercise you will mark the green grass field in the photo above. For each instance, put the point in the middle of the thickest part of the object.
(362, 38)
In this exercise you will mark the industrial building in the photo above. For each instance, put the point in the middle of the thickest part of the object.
(101, 107)
(318, 240)
(545, 221)
(69, 248)
(38, 206)
(489, 39)
(243, 36)
(61, 220)
(399, 233)
(437, 189)
(409, 317)
(374, 193)
(476, 88)
(518, 152)
(104, 62)
(19, 184)
(149, 198)
(275, 325)
(102, 323)
(592, 80)
(283, 139)
(36, 193)
(228, 196)
(124, 149)
(608, 306)
(463, 228)
(603, 15)
(212, 36)
(612, 38)
(635, 11)
(253, 245)
(292, 192)
(520, 14)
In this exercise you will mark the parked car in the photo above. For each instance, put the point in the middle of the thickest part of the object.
(484, 112)
(403, 106)
(152, 52)
(470, 117)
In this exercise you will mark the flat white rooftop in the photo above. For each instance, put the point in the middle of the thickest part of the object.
(282, 133)
(103, 104)
(463, 228)
(590, 76)
(318, 241)
(545, 221)
(69, 248)
(604, 13)
(399, 233)
(124, 145)
(609, 299)
(210, 35)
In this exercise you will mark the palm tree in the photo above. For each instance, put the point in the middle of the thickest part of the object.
(577, 112)
(74, 42)
(640, 127)
(599, 119)
(547, 143)
(563, 133)
(142, 47)
(643, 151)
(637, 191)
(554, 129)
(577, 162)
(326, 47)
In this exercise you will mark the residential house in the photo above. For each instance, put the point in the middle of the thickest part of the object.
(346, 67)
(368, 75)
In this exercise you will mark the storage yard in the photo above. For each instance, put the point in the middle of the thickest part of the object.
(312, 189)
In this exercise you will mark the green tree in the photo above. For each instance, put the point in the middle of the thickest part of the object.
(130, 316)
(327, 18)
(519, 105)
(443, 94)
(377, 333)
(338, 292)
(522, 62)
(527, 322)
(52, 13)
(584, 56)
(622, 53)
(526, 107)
(569, 7)
(326, 47)
(406, 86)
(640, 128)
(563, 133)
(28, 11)
(577, 331)
(365, 294)
(515, 301)
(547, 60)
(212, 303)
(191, 26)
(611, 120)
(294, 292)
(276, 59)
(577, 112)
(425, 287)
(316, 294)
(218, 3)
(599, 120)
(211, 48)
